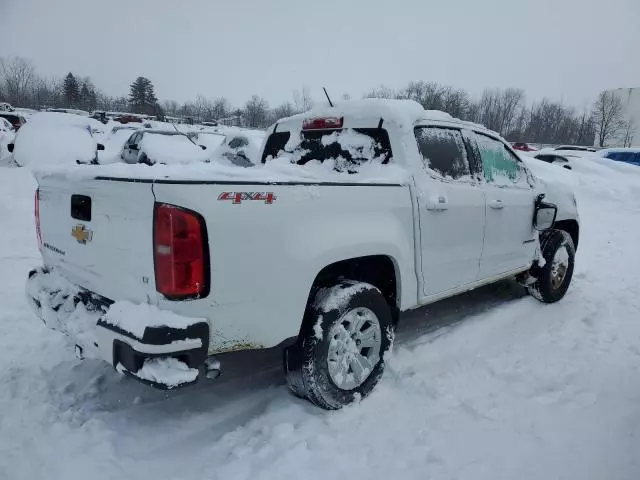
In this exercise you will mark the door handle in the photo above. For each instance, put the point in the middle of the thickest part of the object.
(496, 204)
(437, 203)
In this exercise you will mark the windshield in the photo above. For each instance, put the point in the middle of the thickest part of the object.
(346, 148)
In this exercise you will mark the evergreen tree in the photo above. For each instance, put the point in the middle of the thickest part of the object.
(142, 96)
(85, 96)
(71, 91)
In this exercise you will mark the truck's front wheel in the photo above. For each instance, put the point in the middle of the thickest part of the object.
(553, 279)
(346, 333)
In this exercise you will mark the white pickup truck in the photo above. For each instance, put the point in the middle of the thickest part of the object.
(159, 275)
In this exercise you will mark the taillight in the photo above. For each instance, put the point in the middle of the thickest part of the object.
(322, 123)
(36, 210)
(181, 253)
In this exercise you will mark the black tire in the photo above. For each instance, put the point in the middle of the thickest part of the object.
(548, 288)
(306, 363)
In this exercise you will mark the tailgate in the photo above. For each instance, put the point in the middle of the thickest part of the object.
(98, 233)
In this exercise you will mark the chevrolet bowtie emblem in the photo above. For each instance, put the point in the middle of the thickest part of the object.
(81, 234)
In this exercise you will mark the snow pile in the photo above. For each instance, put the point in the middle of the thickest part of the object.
(135, 318)
(170, 372)
(56, 139)
(278, 170)
(171, 149)
(54, 297)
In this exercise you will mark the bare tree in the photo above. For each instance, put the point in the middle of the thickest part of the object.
(381, 92)
(607, 111)
(282, 111)
(256, 111)
(629, 132)
(221, 108)
(17, 74)
(302, 100)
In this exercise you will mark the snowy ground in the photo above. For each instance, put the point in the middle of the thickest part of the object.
(492, 385)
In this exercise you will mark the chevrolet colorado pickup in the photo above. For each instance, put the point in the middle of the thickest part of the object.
(167, 272)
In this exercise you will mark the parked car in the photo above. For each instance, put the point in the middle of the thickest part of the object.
(6, 107)
(176, 271)
(149, 147)
(523, 147)
(128, 119)
(6, 126)
(576, 148)
(555, 159)
(15, 119)
(626, 155)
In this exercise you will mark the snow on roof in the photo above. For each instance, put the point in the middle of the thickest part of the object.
(403, 113)
(171, 149)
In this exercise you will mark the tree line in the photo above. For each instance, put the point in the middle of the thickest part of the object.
(502, 110)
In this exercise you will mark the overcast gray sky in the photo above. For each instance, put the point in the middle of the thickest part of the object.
(564, 49)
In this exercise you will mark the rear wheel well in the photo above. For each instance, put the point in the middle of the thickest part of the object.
(572, 228)
(377, 270)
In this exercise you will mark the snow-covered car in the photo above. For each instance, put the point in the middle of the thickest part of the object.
(114, 142)
(163, 147)
(51, 138)
(356, 214)
(6, 107)
(575, 148)
(626, 155)
(555, 159)
(15, 119)
(7, 134)
(239, 147)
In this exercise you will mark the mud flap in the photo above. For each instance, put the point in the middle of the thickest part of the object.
(292, 361)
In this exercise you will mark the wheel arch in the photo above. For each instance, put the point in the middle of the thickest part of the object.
(572, 228)
(381, 271)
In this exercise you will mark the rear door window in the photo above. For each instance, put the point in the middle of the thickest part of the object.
(347, 149)
(443, 152)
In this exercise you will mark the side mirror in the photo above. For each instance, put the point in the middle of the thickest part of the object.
(100, 147)
(10, 147)
(203, 147)
(545, 214)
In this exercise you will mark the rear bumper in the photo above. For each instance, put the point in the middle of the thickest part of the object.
(162, 356)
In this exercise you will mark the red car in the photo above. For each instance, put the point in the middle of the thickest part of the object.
(128, 119)
(523, 147)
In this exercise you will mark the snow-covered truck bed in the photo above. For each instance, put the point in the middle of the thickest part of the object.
(359, 212)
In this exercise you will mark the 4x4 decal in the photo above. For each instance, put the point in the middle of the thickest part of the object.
(237, 197)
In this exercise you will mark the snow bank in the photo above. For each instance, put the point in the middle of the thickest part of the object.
(171, 149)
(134, 318)
(56, 139)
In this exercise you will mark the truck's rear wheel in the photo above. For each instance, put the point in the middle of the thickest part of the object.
(341, 349)
(553, 279)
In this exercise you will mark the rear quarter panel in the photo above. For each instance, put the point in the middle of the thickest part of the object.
(265, 256)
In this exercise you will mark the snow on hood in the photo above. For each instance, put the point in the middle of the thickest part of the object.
(172, 149)
(55, 139)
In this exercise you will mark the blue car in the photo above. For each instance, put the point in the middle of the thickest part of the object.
(626, 155)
